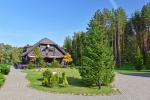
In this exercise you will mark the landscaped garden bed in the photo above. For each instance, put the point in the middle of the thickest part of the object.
(76, 85)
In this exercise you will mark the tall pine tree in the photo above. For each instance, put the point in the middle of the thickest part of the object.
(97, 58)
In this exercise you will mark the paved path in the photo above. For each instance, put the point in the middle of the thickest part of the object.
(132, 88)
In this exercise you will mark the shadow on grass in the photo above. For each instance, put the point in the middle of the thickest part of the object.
(40, 79)
(76, 82)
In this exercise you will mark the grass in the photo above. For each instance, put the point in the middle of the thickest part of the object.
(129, 69)
(76, 85)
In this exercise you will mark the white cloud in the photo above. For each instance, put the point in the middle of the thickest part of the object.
(114, 4)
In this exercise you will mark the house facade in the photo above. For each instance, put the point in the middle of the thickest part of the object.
(49, 51)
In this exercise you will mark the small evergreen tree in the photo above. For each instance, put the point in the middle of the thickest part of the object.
(45, 82)
(64, 79)
(97, 58)
(53, 81)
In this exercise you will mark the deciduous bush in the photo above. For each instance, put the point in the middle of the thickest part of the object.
(31, 65)
(55, 63)
(4, 69)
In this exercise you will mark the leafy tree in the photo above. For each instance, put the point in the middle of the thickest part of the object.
(97, 61)
(16, 55)
(67, 58)
(39, 58)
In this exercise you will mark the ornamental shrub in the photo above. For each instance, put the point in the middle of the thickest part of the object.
(45, 82)
(47, 74)
(64, 79)
(31, 65)
(53, 81)
(2, 79)
(55, 63)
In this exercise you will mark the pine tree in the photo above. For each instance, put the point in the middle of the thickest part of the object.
(97, 61)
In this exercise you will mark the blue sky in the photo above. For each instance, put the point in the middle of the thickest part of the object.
(27, 21)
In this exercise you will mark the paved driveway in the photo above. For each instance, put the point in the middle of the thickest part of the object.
(133, 87)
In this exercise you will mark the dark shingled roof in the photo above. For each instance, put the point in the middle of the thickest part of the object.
(44, 41)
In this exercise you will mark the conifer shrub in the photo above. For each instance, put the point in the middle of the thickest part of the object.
(47, 73)
(45, 82)
(64, 79)
(53, 81)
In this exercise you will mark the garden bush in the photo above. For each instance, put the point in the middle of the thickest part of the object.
(31, 65)
(45, 82)
(4, 69)
(55, 63)
(2, 79)
(64, 79)
(53, 80)
(47, 74)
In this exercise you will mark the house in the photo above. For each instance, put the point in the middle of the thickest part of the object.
(49, 51)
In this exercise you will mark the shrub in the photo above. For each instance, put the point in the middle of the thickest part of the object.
(5, 69)
(45, 82)
(2, 79)
(47, 74)
(55, 63)
(53, 81)
(31, 65)
(64, 79)
(49, 65)
(57, 79)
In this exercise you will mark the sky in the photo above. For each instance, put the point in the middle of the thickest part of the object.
(25, 22)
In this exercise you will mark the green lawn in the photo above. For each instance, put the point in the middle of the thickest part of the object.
(76, 85)
(129, 69)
